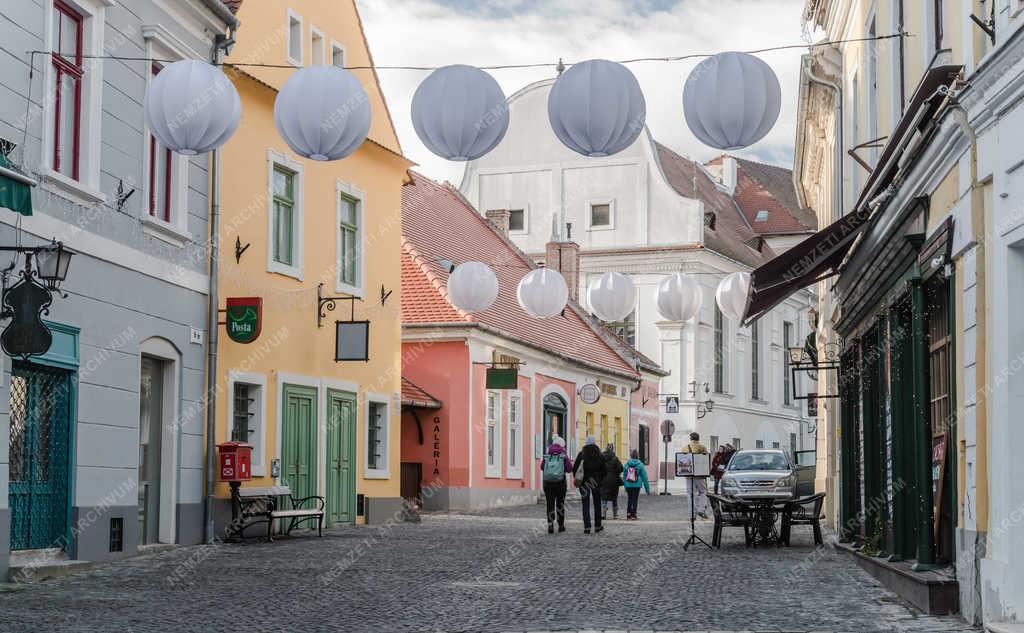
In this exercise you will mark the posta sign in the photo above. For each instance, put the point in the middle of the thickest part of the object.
(244, 318)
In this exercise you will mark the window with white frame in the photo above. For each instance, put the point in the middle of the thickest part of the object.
(736, 443)
(376, 438)
(787, 341)
(713, 442)
(317, 47)
(515, 436)
(493, 435)
(68, 72)
(350, 239)
(294, 38)
(161, 171)
(601, 215)
(775, 445)
(284, 254)
(755, 360)
(719, 355)
(337, 55)
(758, 443)
(247, 412)
(517, 221)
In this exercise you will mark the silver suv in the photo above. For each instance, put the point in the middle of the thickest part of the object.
(760, 474)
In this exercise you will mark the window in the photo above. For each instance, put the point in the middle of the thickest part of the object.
(755, 361)
(161, 161)
(775, 445)
(605, 432)
(713, 440)
(935, 24)
(246, 409)
(787, 341)
(493, 466)
(601, 215)
(515, 435)
(67, 88)
(792, 443)
(590, 424)
(719, 377)
(762, 216)
(294, 39)
(644, 441)
(116, 543)
(620, 446)
(759, 444)
(284, 253)
(349, 242)
(736, 443)
(337, 55)
(626, 328)
(517, 220)
(317, 47)
(377, 439)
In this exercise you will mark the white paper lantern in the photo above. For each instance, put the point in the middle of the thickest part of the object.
(732, 295)
(460, 112)
(731, 100)
(323, 113)
(679, 297)
(543, 293)
(612, 296)
(472, 287)
(596, 108)
(191, 107)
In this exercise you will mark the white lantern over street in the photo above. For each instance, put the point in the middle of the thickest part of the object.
(596, 108)
(472, 287)
(191, 107)
(679, 297)
(612, 296)
(731, 100)
(543, 293)
(322, 112)
(460, 112)
(732, 295)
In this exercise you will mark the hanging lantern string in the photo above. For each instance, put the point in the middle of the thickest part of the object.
(444, 261)
(557, 64)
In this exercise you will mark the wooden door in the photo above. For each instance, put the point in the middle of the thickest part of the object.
(341, 457)
(298, 441)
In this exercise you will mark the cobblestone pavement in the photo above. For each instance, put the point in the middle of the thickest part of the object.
(493, 571)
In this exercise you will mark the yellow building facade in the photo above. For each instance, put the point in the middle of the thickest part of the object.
(291, 230)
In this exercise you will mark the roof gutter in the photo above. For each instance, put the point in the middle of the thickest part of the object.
(222, 12)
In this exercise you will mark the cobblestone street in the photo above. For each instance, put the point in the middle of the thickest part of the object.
(493, 571)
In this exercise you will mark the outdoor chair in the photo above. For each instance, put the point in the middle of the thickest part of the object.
(806, 511)
(728, 514)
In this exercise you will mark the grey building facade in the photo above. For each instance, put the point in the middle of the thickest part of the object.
(102, 449)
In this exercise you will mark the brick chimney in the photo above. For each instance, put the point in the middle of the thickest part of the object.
(565, 258)
(499, 218)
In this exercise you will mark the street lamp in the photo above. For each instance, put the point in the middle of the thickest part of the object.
(27, 300)
(52, 262)
(708, 405)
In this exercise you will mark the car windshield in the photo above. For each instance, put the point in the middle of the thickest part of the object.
(759, 461)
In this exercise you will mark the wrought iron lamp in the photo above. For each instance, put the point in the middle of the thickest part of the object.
(28, 300)
(705, 407)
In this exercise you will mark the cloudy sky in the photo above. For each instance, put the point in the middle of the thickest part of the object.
(494, 32)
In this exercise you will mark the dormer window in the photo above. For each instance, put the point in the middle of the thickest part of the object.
(762, 216)
(709, 220)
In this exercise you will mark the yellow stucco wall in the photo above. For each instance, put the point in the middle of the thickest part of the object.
(616, 431)
(291, 343)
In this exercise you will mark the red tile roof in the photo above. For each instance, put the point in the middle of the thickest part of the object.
(731, 234)
(414, 396)
(761, 187)
(438, 223)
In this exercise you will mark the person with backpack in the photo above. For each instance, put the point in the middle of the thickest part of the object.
(634, 476)
(588, 473)
(611, 482)
(554, 466)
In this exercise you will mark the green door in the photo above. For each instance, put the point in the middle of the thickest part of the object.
(341, 457)
(298, 441)
(554, 419)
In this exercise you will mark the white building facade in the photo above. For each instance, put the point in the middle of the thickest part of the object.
(648, 212)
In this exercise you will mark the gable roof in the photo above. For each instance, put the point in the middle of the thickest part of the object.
(414, 396)
(438, 223)
(762, 187)
(732, 233)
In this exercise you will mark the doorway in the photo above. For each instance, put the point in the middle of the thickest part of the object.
(341, 451)
(151, 407)
(40, 455)
(298, 440)
(555, 411)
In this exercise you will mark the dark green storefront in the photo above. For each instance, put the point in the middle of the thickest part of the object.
(896, 393)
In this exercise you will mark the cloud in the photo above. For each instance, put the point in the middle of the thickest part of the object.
(496, 32)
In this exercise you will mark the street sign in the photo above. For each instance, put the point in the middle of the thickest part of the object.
(590, 393)
(668, 427)
(672, 404)
(244, 318)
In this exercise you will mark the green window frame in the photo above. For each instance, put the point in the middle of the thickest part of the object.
(349, 248)
(283, 239)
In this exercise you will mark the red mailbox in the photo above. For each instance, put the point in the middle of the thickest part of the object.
(235, 461)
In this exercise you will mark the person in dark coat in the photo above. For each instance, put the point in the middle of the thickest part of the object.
(554, 466)
(588, 473)
(611, 482)
(718, 463)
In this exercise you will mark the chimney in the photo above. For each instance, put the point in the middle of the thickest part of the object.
(499, 218)
(729, 174)
(565, 258)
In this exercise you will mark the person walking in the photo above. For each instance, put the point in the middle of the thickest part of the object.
(634, 476)
(588, 472)
(611, 482)
(555, 465)
(718, 463)
(698, 486)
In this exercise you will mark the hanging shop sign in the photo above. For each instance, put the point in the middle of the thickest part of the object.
(244, 318)
(672, 404)
(589, 394)
(351, 341)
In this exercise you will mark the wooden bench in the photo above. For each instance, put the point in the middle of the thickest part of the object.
(256, 505)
